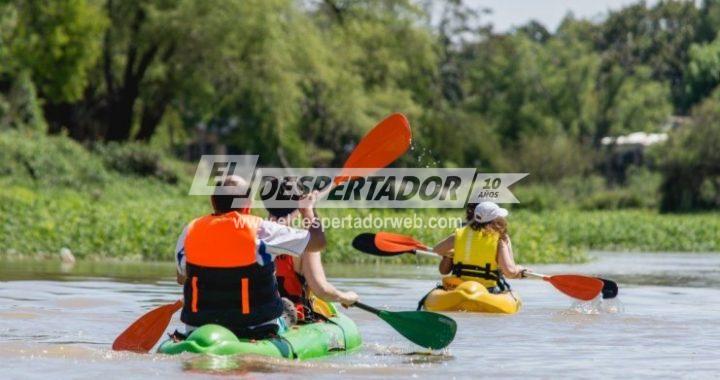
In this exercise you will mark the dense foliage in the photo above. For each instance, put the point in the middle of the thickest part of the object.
(299, 81)
(130, 202)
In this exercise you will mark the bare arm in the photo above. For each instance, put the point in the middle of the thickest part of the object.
(180, 278)
(312, 270)
(445, 266)
(317, 240)
(445, 248)
(506, 261)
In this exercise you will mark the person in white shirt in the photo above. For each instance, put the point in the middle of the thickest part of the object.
(225, 262)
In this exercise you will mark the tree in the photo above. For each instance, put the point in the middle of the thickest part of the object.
(703, 71)
(57, 42)
(657, 37)
(690, 161)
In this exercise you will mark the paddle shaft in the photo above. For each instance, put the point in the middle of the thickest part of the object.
(537, 275)
(367, 308)
(422, 252)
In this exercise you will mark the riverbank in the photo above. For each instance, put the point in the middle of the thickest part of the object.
(130, 202)
(140, 218)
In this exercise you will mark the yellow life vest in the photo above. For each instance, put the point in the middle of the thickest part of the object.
(475, 256)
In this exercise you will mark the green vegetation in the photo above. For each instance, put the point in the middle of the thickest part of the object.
(299, 82)
(54, 194)
(99, 99)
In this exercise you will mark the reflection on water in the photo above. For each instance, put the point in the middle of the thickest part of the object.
(55, 324)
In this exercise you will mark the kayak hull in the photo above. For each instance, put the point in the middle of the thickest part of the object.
(314, 340)
(472, 296)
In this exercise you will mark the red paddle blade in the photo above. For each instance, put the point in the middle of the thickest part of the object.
(365, 242)
(142, 335)
(387, 241)
(576, 286)
(385, 143)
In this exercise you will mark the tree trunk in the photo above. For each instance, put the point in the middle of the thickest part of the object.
(150, 120)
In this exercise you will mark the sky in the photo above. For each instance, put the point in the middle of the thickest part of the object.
(510, 13)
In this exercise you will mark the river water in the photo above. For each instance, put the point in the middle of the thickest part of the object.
(59, 322)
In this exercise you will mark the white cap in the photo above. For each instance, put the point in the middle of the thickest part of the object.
(489, 211)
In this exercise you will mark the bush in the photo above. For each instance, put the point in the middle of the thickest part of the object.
(549, 159)
(138, 159)
(612, 199)
(537, 198)
(48, 160)
(20, 106)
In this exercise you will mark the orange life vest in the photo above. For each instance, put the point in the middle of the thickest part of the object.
(292, 286)
(225, 284)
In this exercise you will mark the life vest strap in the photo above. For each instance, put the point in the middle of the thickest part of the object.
(460, 269)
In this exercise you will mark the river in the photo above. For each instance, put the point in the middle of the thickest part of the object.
(58, 322)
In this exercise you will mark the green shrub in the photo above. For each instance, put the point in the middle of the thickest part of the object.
(611, 199)
(48, 160)
(549, 159)
(537, 197)
(138, 159)
(20, 106)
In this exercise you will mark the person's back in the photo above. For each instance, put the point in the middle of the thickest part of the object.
(480, 251)
(225, 283)
(475, 255)
(225, 262)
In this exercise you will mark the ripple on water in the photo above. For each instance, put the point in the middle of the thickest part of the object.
(63, 326)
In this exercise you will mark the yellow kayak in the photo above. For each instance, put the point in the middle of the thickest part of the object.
(458, 295)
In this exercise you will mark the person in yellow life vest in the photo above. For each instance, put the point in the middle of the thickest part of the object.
(481, 250)
(225, 262)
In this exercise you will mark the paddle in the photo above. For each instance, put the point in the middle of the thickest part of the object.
(576, 286)
(424, 328)
(142, 335)
(385, 143)
(610, 288)
(380, 147)
(388, 244)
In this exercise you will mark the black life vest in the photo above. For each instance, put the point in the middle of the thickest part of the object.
(225, 285)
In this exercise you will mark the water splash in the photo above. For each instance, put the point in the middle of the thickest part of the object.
(597, 306)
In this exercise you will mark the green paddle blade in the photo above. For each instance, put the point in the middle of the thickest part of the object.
(424, 328)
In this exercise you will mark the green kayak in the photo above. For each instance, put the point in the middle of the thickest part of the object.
(314, 340)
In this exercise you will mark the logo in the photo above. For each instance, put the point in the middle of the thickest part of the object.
(356, 188)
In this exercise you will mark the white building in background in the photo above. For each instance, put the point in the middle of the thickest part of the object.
(636, 138)
(626, 150)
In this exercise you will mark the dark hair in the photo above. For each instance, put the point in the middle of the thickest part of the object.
(222, 203)
(222, 199)
(282, 212)
(498, 225)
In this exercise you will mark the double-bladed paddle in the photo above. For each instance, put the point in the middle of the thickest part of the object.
(390, 244)
(385, 143)
(424, 328)
(142, 335)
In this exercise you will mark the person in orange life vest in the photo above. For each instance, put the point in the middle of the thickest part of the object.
(298, 275)
(225, 262)
(481, 251)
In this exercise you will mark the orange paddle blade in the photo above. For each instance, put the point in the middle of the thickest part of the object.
(142, 335)
(390, 242)
(576, 286)
(385, 143)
